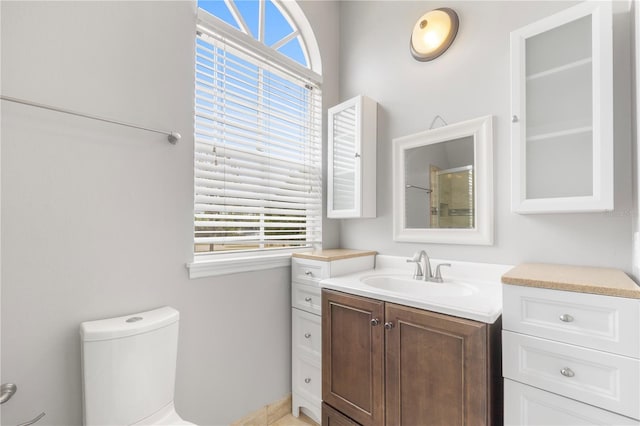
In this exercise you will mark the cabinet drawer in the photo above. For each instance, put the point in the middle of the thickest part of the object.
(602, 379)
(308, 271)
(306, 333)
(594, 321)
(306, 297)
(307, 379)
(529, 406)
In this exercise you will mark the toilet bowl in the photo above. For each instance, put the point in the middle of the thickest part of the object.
(128, 369)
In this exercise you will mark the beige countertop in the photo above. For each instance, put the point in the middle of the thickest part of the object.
(581, 279)
(333, 254)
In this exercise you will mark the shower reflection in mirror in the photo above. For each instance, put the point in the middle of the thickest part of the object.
(439, 192)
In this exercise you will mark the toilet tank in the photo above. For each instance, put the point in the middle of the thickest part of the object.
(128, 366)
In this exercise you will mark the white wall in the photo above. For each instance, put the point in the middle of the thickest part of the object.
(97, 219)
(471, 80)
(636, 152)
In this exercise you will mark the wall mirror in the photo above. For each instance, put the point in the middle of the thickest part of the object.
(443, 184)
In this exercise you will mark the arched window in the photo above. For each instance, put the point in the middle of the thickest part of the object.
(258, 168)
(270, 23)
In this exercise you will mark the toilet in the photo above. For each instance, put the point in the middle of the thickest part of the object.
(128, 369)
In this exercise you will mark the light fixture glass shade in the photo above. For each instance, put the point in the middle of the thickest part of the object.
(433, 34)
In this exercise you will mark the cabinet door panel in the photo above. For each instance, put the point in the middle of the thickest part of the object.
(306, 336)
(351, 169)
(598, 378)
(562, 112)
(331, 417)
(529, 406)
(306, 297)
(352, 356)
(594, 321)
(436, 369)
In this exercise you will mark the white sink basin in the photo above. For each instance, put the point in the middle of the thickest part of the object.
(418, 288)
(470, 290)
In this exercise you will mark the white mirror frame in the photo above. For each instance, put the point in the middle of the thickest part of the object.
(482, 131)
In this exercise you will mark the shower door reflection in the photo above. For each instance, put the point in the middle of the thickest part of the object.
(452, 198)
(439, 185)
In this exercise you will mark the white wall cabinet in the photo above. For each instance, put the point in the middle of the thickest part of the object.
(307, 270)
(351, 191)
(562, 112)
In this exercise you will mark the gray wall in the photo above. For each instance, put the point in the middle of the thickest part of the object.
(97, 219)
(635, 46)
(471, 80)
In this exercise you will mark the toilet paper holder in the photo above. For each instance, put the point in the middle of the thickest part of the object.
(6, 392)
(30, 422)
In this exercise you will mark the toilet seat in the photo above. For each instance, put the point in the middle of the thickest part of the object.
(167, 416)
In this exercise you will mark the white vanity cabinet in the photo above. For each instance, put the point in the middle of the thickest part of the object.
(351, 187)
(562, 112)
(570, 357)
(307, 270)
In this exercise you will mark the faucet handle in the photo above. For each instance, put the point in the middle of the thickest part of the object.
(438, 276)
(416, 257)
(417, 272)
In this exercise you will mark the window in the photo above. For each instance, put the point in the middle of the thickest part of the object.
(258, 168)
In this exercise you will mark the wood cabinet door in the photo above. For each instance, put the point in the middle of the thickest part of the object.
(436, 369)
(353, 356)
(331, 417)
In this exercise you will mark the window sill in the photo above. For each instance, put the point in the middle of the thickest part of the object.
(224, 265)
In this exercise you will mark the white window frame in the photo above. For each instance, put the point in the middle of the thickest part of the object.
(223, 263)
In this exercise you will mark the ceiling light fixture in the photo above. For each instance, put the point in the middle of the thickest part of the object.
(433, 33)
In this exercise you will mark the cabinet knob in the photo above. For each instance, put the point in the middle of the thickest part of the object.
(375, 322)
(515, 119)
(566, 318)
(567, 372)
(388, 325)
(307, 335)
(307, 380)
(308, 273)
(307, 299)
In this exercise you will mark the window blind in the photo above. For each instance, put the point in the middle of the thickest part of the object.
(258, 161)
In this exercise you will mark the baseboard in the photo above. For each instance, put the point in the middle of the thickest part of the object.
(268, 414)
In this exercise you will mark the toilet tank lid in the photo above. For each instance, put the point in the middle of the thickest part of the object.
(128, 325)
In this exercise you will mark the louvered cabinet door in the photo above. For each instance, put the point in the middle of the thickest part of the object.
(352, 159)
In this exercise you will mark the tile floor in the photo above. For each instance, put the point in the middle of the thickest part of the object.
(275, 414)
(289, 420)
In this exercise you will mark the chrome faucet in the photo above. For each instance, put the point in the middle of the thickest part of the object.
(423, 267)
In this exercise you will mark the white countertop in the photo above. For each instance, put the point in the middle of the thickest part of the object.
(484, 305)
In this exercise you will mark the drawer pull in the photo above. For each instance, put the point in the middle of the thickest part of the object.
(308, 273)
(566, 318)
(307, 335)
(307, 299)
(567, 372)
(307, 380)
